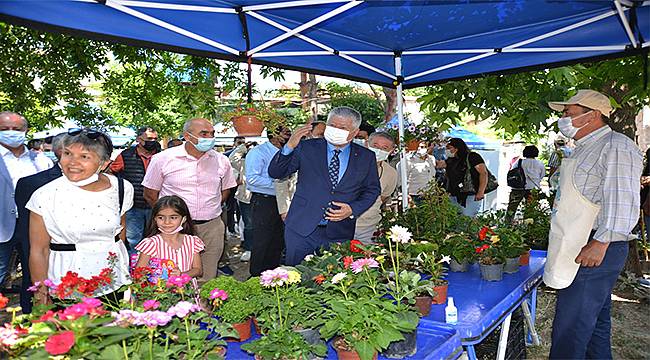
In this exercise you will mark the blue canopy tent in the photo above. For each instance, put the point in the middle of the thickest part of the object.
(471, 139)
(402, 44)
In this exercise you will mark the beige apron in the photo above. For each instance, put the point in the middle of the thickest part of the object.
(572, 219)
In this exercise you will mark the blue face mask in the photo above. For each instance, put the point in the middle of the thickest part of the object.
(204, 144)
(12, 138)
(51, 155)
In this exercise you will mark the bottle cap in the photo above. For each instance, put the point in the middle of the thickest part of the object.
(450, 301)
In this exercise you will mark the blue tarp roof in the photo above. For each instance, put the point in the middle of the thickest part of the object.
(471, 139)
(435, 40)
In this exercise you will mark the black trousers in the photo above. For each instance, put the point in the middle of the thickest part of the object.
(268, 234)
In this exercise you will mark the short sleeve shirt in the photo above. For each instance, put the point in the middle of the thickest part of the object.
(155, 246)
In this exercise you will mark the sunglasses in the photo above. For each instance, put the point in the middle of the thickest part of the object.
(90, 133)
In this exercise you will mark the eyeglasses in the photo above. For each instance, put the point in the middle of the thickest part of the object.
(90, 133)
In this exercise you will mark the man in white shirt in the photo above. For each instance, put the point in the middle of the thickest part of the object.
(534, 172)
(20, 162)
(420, 170)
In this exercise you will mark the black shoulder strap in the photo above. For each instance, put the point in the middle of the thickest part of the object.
(120, 191)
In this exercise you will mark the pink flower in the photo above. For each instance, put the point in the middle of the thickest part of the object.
(153, 318)
(74, 312)
(183, 308)
(91, 302)
(60, 343)
(125, 317)
(34, 288)
(179, 280)
(151, 304)
(272, 278)
(8, 335)
(365, 263)
(49, 283)
(218, 294)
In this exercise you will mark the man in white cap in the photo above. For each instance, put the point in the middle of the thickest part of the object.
(596, 207)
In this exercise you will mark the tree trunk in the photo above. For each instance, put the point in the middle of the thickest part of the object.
(391, 103)
(309, 95)
(622, 119)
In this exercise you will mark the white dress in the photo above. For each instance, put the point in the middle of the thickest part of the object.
(90, 221)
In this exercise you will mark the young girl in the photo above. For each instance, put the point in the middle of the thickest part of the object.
(170, 237)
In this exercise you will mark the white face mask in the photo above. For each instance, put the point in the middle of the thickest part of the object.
(449, 153)
(422, 151)
(381, 155)
(336, 136)
(175, 231)
(361, 142)
(565, 124)
(89, 180)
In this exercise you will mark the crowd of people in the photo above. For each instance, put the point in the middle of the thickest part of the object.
(76, 210)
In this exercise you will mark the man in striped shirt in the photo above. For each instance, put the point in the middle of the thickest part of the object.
(607, 173)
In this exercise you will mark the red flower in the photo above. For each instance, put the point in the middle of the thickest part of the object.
(354, 246)
(482, 248)
(482, 234)
(3, 301)
(49, 315)
(60, 344)
(318, 279)
(347, 261)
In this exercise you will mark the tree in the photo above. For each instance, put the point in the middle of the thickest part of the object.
(309, 94)
(517, 103)
(371, 108)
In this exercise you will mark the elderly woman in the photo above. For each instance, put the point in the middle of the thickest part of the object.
(77, 220)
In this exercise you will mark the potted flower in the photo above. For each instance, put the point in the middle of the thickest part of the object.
(419, 292)
(284, 344)
(490, 258)
(511, 245)
(460, 249)
(411, 134)
(250, 119)
(239, 307)
(433, 267)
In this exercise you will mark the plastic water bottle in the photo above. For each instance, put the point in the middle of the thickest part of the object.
(451, 313)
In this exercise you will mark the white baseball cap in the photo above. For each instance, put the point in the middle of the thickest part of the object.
(588, 98)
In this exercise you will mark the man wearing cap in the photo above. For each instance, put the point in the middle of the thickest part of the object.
(595, 209)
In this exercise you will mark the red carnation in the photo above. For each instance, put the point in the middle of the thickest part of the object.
(354, 246)
(60, 344)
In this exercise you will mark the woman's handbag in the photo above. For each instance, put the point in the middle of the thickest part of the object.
(467, 186)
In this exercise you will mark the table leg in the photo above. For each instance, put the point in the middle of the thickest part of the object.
(470, 352)
(503, 338)
(532, 336)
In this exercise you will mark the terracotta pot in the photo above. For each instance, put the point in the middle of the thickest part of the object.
(243, 329)
(441, 294)
(257, 326)
(345, 354)
(524, 259)
(423, 303)
(412, 145)
(248, 125)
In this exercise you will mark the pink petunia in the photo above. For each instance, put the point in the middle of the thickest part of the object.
(151, 304)
(365, 263)
(91, 302)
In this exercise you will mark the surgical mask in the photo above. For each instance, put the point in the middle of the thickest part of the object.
(449, 154)
(150, 145)
(12, 138)
(566, 127)
(361, 142)
(175, 231)
(381, 155)
(336, 136)
(89, 180)
(422, 151)
(51, 155)
(204, 144)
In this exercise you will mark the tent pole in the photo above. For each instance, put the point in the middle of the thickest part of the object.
(400, 120)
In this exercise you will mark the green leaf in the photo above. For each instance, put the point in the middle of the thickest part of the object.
(112, 352)
(365, 349)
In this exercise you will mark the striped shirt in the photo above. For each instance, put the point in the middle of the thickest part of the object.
(182, 257)
(197, 181)
(608, 173)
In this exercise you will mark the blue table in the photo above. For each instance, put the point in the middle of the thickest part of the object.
(484, 305)
(434, 342)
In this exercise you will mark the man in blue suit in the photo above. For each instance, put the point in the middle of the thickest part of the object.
(337, 182)
(24, 190)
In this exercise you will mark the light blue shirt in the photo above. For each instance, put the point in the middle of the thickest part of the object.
(344, 156)
(257, 169)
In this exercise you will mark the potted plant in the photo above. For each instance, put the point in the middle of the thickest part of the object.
(285, 345)
(511, 245)
(433, 267)
(460, 249)
(239, 307)
(490, 258)
(419, 292)
(250, 119)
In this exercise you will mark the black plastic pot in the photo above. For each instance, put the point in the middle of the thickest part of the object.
(403, 348)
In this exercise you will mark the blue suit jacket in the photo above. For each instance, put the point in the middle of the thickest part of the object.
(7, 205)
(359, 187)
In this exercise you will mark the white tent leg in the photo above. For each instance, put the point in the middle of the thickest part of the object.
(400, 120)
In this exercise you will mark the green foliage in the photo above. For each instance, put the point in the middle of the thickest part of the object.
(460, 246)
(346, 95)
(517, 103)
(284, 344)
(240, 305)
(536, 222)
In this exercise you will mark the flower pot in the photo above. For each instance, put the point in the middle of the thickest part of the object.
(441, 294)
(412, 145)
(524, 258)
(455, 266)
(511, 266)
(311, 336)
(423, 303)
(243, 329)
(403, 348)
(248, 125)
(491, 272)
(345, 352)
(257, 326)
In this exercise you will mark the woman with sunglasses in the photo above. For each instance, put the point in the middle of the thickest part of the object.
(77, 221)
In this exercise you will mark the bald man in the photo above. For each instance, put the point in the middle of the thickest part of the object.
(200, 176)
(19, 163)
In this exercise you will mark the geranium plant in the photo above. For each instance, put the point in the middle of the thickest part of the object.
(459, 246)
(271, 118)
